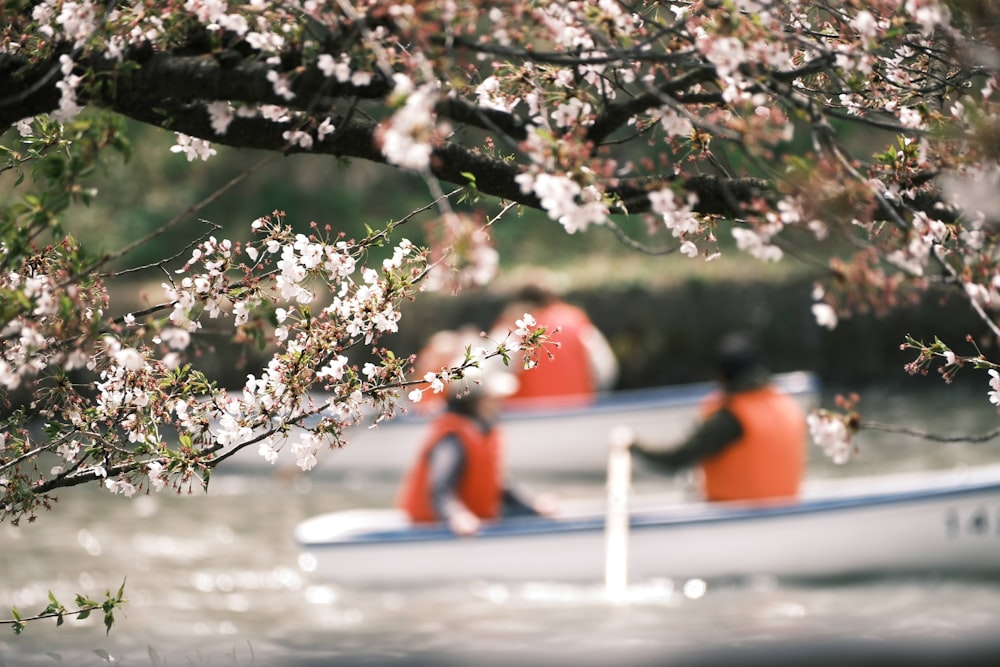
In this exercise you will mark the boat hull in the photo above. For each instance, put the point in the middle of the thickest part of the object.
(944, 523)
(544, 439)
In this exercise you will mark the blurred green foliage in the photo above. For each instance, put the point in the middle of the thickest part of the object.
(138, 195)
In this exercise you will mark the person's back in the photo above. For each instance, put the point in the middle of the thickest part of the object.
(751, 442)
(576, 360)
(567, 373)
(768, 459)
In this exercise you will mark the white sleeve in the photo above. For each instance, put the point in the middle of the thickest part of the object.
(603, 364)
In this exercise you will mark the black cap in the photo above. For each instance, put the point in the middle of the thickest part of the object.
(737, 355)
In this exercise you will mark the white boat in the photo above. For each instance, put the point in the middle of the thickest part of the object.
(933, 522)
(544, 437)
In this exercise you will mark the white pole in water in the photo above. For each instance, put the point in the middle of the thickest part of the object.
(616, 520)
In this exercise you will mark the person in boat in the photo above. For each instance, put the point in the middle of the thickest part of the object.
(751, 443)
(437, 354)
(458, 474)
(581, 362)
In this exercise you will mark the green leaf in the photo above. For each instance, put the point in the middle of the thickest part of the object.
(18, 625)
(53, 167)
(82, 601)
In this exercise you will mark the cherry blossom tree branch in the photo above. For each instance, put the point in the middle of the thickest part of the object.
(170, 90)
(926, 435)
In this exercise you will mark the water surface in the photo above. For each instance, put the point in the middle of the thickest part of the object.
(215, 580)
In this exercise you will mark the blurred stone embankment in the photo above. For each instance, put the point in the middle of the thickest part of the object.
(667, 335)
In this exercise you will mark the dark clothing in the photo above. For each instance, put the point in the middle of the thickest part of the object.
(446, 466)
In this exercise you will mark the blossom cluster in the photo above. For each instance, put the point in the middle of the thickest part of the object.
(145, 400)
(26, 344)
(830, 433)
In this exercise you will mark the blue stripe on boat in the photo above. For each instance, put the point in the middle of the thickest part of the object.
(683, 517)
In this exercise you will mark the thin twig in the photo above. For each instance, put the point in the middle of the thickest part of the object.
(190, 211)
(638, 246)
(51, 614)
(917, 433)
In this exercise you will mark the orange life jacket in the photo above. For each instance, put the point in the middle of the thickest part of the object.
(568, 373)
(768, 461)
(480, 486)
